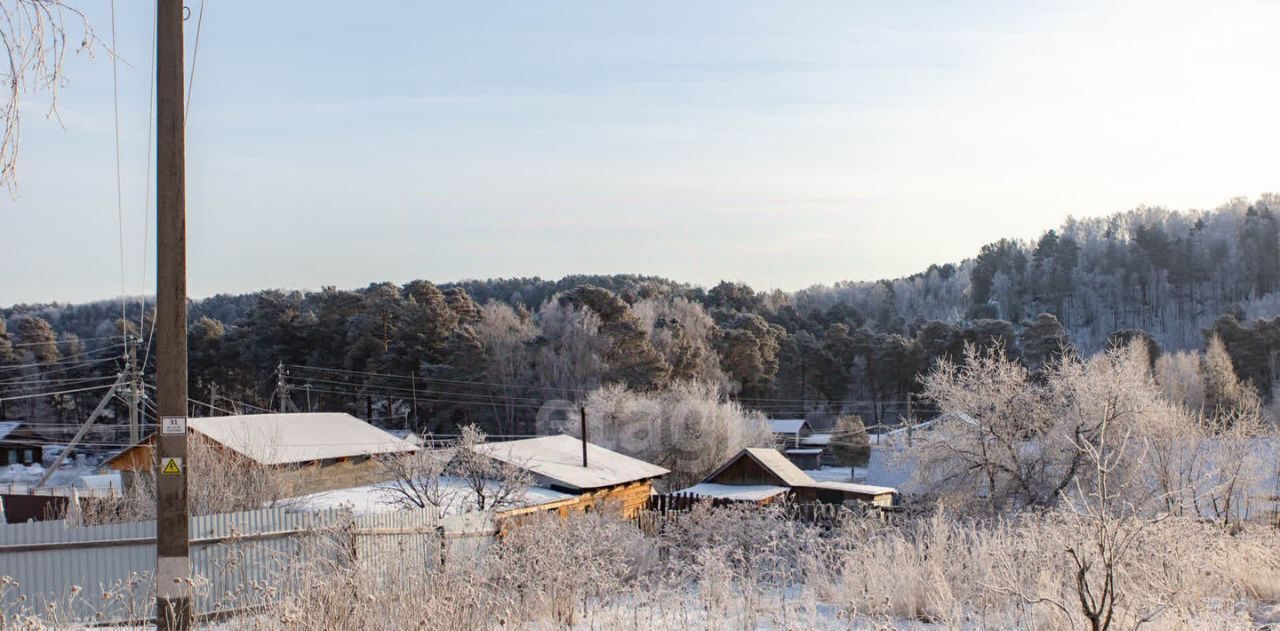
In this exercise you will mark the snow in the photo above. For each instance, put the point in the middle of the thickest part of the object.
(786, 426)
(7, 427)
(816, 440)
(303, 437)
(864, 489)
(559, 460)
(754, 493)
(804, 452)
(381, 498)
(830, 474)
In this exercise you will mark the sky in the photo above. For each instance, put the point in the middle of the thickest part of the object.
(781, 144)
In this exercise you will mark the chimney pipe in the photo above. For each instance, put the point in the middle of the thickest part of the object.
(583, 409)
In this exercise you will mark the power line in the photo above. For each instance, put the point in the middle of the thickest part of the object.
(413, 390)
(439, 380)
(115, 109)
(52, 394)
(146, 186)
(195, 55)
(64, 362)
(78, 339)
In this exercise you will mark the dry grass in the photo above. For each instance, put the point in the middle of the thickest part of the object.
(733, 568)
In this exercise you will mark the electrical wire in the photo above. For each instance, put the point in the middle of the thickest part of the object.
(53, 394)
(195, 55)
(146, 186)
(79, 339)
(115, 108)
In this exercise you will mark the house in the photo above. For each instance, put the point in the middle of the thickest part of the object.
(557, 463)
(312, 451)
(767, 474)
(20, 444)
(790, 432)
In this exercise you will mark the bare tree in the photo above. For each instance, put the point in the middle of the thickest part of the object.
(456, 479)
(35, 38)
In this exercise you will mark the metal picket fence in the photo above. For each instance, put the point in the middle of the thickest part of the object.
(240, 561)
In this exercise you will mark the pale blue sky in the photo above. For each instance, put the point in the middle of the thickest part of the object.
(777, 143)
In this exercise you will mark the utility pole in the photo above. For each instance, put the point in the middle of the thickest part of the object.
(282, 388)
(583, 410)
(135, 431)
(173, 560)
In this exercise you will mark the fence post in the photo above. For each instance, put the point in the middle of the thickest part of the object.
(444, 545)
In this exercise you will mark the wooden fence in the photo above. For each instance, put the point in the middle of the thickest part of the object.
(664, 508)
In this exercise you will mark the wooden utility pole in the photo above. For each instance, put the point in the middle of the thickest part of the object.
(173, 561)
(135, 430)
(282, 388)
(583, 410)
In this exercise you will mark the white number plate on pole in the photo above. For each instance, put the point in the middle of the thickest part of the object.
(173, 425)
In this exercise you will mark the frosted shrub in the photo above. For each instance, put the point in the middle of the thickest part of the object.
(687, 428)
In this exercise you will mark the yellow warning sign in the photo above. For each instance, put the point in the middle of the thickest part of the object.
(171, 466)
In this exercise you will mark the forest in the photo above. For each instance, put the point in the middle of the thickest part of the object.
(436, 356)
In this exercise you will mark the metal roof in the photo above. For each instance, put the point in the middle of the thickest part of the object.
(559, 460)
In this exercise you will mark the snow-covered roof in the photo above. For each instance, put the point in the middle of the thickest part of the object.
(7, 427)
(751, 493)
(558, 459)
(864, 489)
(786, 426)
(816, 440)
(773, 461)
(273, 439)
(804, 452)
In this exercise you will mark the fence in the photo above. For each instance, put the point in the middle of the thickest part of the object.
(667, 507)
(239, 560)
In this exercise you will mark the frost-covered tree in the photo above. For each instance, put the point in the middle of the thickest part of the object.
(687, 428)
(1224, 392)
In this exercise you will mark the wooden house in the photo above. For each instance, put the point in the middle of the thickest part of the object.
(606, 478)
(20, 444)
(789, 432)
(311, 451)
(767, 474)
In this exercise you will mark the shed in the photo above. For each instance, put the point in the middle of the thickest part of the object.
(755, 467)
(20, 444)
(556, 462)
(807, 458)
(790, 431)
(317, 451)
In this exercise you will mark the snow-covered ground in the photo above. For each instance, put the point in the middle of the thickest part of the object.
(382, 498)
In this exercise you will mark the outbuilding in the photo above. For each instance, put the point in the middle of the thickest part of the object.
(790, 432)
(759, 471)
(312, 451)
(20, 444)
(591, 473)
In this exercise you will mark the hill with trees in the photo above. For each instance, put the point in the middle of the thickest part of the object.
(491, 351)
